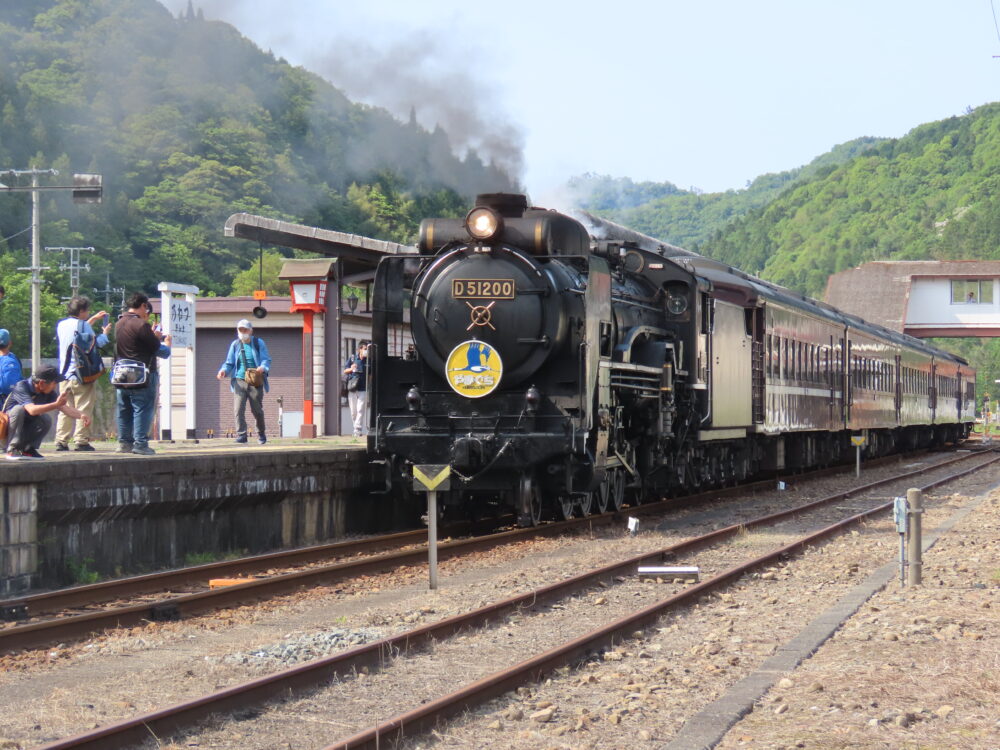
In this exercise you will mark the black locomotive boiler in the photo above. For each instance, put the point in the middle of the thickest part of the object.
(559, 373)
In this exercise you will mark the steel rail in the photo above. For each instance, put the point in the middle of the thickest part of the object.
(534, 669)
(374, 655)
(63, 629)
(95, 593)
(44, 633)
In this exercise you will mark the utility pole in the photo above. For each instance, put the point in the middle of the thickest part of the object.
(87, 188)
(108, 290)
(36, 273)
(74, 266)
(36, 266)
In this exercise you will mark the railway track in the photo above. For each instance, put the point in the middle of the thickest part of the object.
(375, 655)
(67, 623)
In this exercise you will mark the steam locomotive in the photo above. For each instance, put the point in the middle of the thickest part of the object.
(559, 373)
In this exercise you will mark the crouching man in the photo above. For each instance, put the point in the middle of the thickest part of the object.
(28, 408)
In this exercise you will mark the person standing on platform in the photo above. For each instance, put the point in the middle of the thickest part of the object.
(247, 366)
(11, 370)
(135, 339)
(80, 395)
(28, 408)
(356, 371)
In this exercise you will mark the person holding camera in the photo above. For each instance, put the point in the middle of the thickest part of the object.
(137, 340)
(356, 372)
(247, 366)
(80, 394)
(28, 407)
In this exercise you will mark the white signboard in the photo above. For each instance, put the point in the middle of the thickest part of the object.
(178, 316)
(181, 322)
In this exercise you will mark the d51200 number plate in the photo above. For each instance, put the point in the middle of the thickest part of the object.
(483, 288)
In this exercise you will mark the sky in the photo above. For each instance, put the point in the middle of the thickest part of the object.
(706, 95)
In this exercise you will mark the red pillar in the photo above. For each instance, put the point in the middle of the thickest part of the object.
(308, 429)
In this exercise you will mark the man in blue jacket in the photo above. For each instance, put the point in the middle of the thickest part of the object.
(247, 362)
(11, 371)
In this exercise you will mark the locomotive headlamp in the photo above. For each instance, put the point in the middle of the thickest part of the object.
(676, 304)
(483, 223)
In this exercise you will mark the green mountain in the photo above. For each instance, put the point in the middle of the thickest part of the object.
(688, 218)
(929, 195)
(189, 122)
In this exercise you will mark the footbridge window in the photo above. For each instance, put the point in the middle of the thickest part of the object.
(972, 291)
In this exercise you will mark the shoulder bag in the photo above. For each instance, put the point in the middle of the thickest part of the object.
(129, 373)
(252, 377)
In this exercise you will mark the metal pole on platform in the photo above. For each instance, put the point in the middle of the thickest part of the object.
(915, 499)
(432, 537)
(36, 279)
(901, 519)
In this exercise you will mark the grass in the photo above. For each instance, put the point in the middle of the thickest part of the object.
(203, 558)
(81, 573)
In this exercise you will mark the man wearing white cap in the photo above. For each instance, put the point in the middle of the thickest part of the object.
(247, 365)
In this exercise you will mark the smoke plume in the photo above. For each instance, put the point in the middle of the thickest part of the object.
(420, 75)
(402, 70)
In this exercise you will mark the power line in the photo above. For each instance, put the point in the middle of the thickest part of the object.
(995, 24)
(16, 234)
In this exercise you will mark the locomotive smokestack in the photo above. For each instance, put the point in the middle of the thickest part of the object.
(508, 205)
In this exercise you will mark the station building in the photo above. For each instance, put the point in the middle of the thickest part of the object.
(282, 331)
(923, 298)
(346, 261)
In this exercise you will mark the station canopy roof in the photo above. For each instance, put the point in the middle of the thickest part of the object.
(358, 254)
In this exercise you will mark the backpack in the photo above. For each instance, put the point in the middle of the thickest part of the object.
(10, 372)
(83, 348)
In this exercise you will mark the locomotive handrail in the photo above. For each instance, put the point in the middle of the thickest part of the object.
(632, 366)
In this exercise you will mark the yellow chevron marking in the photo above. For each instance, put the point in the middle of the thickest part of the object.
(440, 473)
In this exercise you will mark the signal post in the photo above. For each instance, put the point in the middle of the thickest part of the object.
(430, 478)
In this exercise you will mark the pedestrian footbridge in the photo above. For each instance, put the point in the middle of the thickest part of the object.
(950, 299)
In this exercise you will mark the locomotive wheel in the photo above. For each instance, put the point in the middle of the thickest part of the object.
(634, 496)
(536, 505)
(603, 493)
(616, 491)
(566, 505)
(586, 504)
(731, 470)
(529, 498)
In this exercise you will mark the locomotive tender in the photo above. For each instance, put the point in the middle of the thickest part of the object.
(556, 372)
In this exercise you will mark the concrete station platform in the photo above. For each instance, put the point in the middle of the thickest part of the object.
(75, 517)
